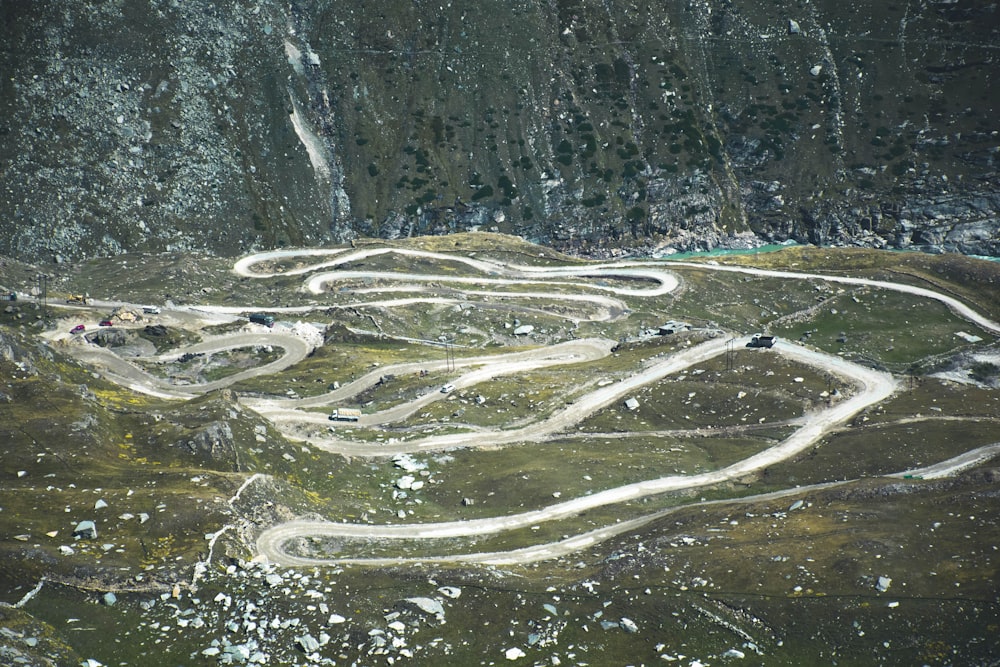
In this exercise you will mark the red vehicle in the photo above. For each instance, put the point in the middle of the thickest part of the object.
(77, 329)
(107, 323)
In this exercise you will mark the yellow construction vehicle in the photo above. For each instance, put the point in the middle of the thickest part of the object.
(82, 299)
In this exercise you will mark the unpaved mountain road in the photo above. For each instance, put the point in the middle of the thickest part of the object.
(127, 374)
(281, 410)
(872, 386)
(959, 308)
(875, 387)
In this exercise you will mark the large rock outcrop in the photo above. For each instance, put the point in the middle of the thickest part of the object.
(591, 126)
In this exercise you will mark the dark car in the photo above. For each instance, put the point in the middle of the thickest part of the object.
(78, 328)
(107, 323)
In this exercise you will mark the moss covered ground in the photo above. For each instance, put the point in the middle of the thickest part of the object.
(801, 584)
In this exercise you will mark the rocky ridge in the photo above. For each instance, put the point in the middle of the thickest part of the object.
(221, 127)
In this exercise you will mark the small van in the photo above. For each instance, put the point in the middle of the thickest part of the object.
(447, 389)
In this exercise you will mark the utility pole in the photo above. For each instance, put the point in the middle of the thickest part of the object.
(43, 293)
(449, 353)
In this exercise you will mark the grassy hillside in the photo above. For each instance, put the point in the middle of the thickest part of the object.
(739, 567)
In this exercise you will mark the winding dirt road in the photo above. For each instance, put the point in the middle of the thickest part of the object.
(283, 410)
(872, 386)
(954, 304)
(126, 374)
(875, 387)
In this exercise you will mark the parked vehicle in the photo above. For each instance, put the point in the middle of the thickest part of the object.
(151, 310)
(79, 328)
(262, 318)
(447, 389)
(106, 323)
(10, 296)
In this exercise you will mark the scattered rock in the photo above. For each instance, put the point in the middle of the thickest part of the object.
(408, 463)
(85, 530)
(235, 653)
(450, 592)
(428, 606)
(308, 643)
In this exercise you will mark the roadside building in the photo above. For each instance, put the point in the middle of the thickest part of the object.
(672, 327)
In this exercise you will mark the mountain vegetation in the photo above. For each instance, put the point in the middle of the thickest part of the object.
(593, 127)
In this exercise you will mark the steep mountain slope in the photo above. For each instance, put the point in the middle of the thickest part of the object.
(586, 125)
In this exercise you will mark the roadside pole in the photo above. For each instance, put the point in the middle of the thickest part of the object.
(43, 294)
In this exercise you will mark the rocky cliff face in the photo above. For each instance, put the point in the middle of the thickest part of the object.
(591, 126)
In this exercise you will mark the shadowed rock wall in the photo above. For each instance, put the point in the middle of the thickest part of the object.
(595, 127)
